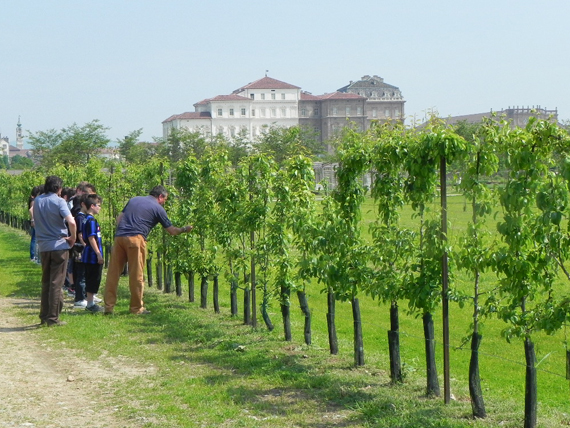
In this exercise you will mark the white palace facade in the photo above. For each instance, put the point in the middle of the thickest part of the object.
(268, 102)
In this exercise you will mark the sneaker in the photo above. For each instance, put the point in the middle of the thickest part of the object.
(80, 304)
(97, 299)
(94, 308)
(143, 312)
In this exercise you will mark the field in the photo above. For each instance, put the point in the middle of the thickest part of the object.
(203, 369)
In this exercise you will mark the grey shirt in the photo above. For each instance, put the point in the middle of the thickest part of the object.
(51, 230)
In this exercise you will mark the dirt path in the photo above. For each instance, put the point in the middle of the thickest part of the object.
(45, 387)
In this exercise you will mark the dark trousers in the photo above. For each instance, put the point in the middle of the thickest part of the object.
(79, 280)
(92, 277)
(54, 270)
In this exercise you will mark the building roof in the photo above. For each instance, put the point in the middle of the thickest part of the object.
(306, 96)
(267, 83)
(189, 115)
(367, 82)
(341, 96)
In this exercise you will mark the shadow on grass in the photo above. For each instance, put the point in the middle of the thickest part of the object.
(297, 377)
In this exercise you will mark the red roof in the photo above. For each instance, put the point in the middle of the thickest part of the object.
(267, 83)
(305, 96)
(189, 115)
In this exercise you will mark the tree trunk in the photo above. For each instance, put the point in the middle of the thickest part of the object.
(216, 292)
(234, 297)
(167, 278)
(286, 312)
(204, 292)
(191, 286)
(149, 270)
(158, 270)
(304, 304)
(531, 391)
(394, 345)
(331, 326)
(178, 282)
(431, 368)
(265, 315)
(358, 342)
(477, 403)
(246, 307)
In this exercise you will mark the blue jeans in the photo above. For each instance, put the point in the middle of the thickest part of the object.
(33, 243)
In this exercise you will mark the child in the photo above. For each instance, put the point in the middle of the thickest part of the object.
(92, 256)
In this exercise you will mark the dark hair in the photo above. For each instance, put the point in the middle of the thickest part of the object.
(91, 199)
(53, 184)
(37, 190)
(158, 191)
(84, 186)
(68, 192)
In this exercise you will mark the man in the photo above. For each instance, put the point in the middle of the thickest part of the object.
(134, 224)
(51, 214)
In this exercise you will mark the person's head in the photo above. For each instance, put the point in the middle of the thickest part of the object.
(85, 187)
(53, 184)
(37, 190)
(67, 193)
(160, 193)
(92, 203)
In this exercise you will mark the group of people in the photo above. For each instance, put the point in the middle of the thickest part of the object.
(69, 240)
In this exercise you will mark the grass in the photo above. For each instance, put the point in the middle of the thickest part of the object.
(189, 367)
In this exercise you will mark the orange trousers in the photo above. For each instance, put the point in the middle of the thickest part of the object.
(131, 249)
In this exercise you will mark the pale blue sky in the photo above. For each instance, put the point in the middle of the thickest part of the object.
(132, 64)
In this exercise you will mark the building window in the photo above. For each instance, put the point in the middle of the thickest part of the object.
(282, 96)
(252, 96)
(220, 112)
(374, 112)
(273, 95)
(262, 96)
(303, 112)
(348, 111)
(397, 112)
(283, 112)
(243, 112)
(335, 111)
(387, 112)
(316, 112)
(359, 111)
(231, 112)
(220, 130)
(273, 112)
(232, 131)
(253, 112)
(262, 110)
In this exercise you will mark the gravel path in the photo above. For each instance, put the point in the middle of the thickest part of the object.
(44, 386)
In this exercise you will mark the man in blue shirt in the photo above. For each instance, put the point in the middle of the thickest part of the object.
(51, 214)
(134, 224)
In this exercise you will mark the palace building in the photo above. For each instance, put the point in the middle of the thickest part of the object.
(267, 102)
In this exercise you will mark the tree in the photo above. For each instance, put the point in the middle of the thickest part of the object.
(127, 146)
(181, 143)
(4, 162)
(73, 145)
(20, 162)
(283, 143)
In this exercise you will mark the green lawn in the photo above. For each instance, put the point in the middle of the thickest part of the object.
(202, 369)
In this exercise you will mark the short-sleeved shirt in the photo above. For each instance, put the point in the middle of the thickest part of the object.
(91, 228)
(51, 230)
(140, 215)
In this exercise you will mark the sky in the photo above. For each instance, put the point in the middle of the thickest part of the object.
(133, 63)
